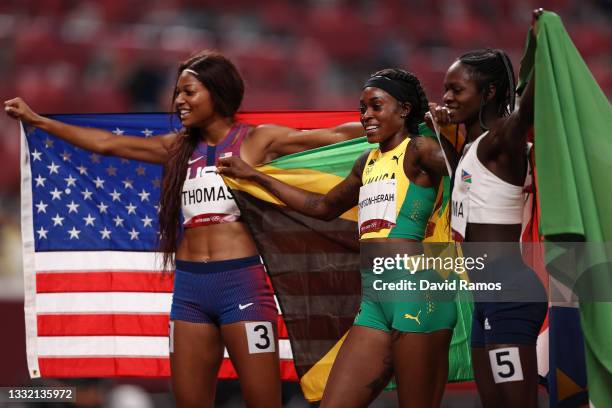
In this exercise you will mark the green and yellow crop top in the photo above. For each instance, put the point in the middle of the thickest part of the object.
(390, 206)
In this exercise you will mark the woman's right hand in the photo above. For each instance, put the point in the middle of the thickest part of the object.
(235, 167)
(18, 109)
(441, 115)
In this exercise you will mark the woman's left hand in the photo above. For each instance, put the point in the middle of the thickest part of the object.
(235, 167)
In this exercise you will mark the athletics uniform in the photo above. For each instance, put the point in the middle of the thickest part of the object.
(479, 196)
(218, 292)
(390, 206)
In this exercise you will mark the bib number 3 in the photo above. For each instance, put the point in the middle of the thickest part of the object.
(506, 365)
(260, 337)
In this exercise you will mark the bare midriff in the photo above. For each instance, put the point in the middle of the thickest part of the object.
(493, 232)
(217, 242)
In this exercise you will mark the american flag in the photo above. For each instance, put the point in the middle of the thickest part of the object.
(96, 302)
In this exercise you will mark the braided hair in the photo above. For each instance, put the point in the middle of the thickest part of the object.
(492, 67)
(417, 97)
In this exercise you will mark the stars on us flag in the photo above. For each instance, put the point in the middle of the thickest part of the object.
(89, 220)
(144, 195)
(41, 207)
(111, 170)
(40, 181)
(118, 221)
(103, 208)
(127, 183)
(105, 233)
(131, 208)
(53, 168)
(70, 181)
(72, 207)
(146, 221)
(99, 182)
(133, 234)
(36, 155)
(86, 194)
(83, 200)
(57, 220)
(116, 195)
(74, 233)
(56, 194)
(42, 233)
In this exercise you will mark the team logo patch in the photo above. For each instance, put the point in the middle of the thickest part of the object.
(466, 177)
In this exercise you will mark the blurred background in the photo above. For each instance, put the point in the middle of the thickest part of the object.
(121, 56)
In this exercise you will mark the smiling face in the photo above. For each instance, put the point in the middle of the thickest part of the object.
(461, 94)
(192, 102)
(381, 115)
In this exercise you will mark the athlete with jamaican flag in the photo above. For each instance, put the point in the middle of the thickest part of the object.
(395, 187)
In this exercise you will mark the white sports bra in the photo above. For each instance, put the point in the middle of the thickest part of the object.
(479, 196)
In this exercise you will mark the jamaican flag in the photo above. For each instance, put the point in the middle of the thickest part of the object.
(314, 264)
(573, 147)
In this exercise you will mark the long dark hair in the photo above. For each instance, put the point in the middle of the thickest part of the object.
(492, 67)
(417, 99)
(222, 80)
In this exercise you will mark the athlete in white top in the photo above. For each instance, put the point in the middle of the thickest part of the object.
(487, 197)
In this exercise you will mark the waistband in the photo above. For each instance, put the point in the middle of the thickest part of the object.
(218, 266)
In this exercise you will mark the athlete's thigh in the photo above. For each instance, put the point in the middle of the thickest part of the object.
(421, 366)
(514, 368)
(488, 392)
(253, 349)
(361, 370)
(196, 352)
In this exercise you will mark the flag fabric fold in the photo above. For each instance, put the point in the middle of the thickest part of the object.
(572, 151)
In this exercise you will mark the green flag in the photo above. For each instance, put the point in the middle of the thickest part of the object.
(573, 149)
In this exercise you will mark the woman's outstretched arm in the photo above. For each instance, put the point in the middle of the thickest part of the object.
(338, 200)
(152, 150)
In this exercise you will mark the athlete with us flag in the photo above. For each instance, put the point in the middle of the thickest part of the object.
(221, 295)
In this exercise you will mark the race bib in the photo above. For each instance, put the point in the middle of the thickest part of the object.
(460, 204)
(206, 200)
(377, 206)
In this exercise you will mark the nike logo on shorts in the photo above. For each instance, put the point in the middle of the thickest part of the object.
(194, 160)
(242, 307)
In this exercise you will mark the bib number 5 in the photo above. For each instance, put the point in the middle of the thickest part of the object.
(506, 365)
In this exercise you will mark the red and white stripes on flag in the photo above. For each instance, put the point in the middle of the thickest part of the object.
(105, 314)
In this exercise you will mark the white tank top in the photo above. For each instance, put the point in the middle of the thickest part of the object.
(480, 197)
